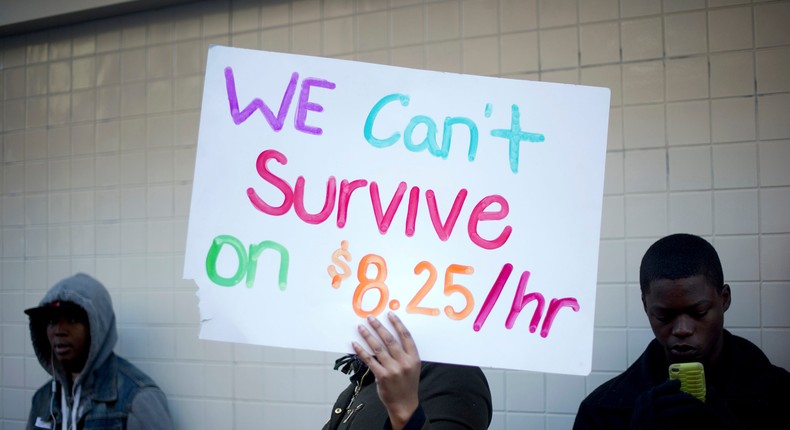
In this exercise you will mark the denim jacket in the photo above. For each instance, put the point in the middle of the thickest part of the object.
(121, 397)
(113, 393)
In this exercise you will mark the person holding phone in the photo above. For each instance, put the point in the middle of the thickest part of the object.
(684, 297)
(393, 389)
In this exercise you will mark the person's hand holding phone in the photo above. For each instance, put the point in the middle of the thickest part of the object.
(666, 407)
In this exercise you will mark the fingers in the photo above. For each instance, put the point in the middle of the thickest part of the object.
(404, 335)
(363, 354)
(390, 343)
(384, 345)
(380, 354)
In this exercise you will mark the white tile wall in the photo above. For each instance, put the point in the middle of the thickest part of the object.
(732, 74)
(525, 392)
(773, 297)
(733, 119)
(563, 394)
(609, 297)
(479, 18)
(690, 168)
(735, 166)
(609, 350)
(643, 82)
(736, 212)
(771, 24)
(481, 56)
(600, 43)
(745, 308)
(98, 124)
(408, 25)
(721, 25)
(772, 66)
(599, 10)
(685, 33)
(612, 219)
(771, 155)
(644, 126)
(645, 170)
(646, 215)
(518, 15)
(555, 13)
(739, 254)
(559, 48)
(521, 51)
(772, 266)
(639, 8)
(691, 211)
(772, 122)
(615, 140)
(688, 122)
(642, 39)
(443, 21)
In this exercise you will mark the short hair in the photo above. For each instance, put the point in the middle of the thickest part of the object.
(680, 256)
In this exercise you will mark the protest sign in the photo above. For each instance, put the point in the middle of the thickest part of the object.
(329, 190)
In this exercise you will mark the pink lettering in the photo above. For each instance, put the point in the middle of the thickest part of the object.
(346, 188)
(443, 230)
(479, 214)
(411, 214)
(280, 184)
(329, 202)
(554, 307)
(383, 220)
(521, 300)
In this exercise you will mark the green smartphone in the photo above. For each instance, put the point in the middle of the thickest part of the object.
(691, 376)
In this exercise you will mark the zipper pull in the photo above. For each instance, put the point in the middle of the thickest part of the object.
(351, 412)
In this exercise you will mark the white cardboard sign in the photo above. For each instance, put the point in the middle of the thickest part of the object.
(328, 190)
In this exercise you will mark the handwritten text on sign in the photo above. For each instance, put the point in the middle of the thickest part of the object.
(326, 191)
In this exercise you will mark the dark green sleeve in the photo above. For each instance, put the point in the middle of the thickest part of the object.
(455, 397)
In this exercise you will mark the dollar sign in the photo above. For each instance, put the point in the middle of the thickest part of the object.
(337, 278)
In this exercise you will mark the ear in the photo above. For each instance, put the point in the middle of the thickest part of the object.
(644, 303)
(726, 297)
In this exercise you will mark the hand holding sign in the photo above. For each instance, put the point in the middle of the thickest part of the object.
(396, 365)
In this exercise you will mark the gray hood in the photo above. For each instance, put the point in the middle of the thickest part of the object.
(90, 295)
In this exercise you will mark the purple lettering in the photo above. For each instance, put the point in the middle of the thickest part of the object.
(305, 105)
(276, 122)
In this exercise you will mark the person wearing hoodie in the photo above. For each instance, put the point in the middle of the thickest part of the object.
(73, 334)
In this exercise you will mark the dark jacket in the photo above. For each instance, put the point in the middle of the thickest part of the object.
(120, 391)
(114, 394)
(745, 391)
(451, 397)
